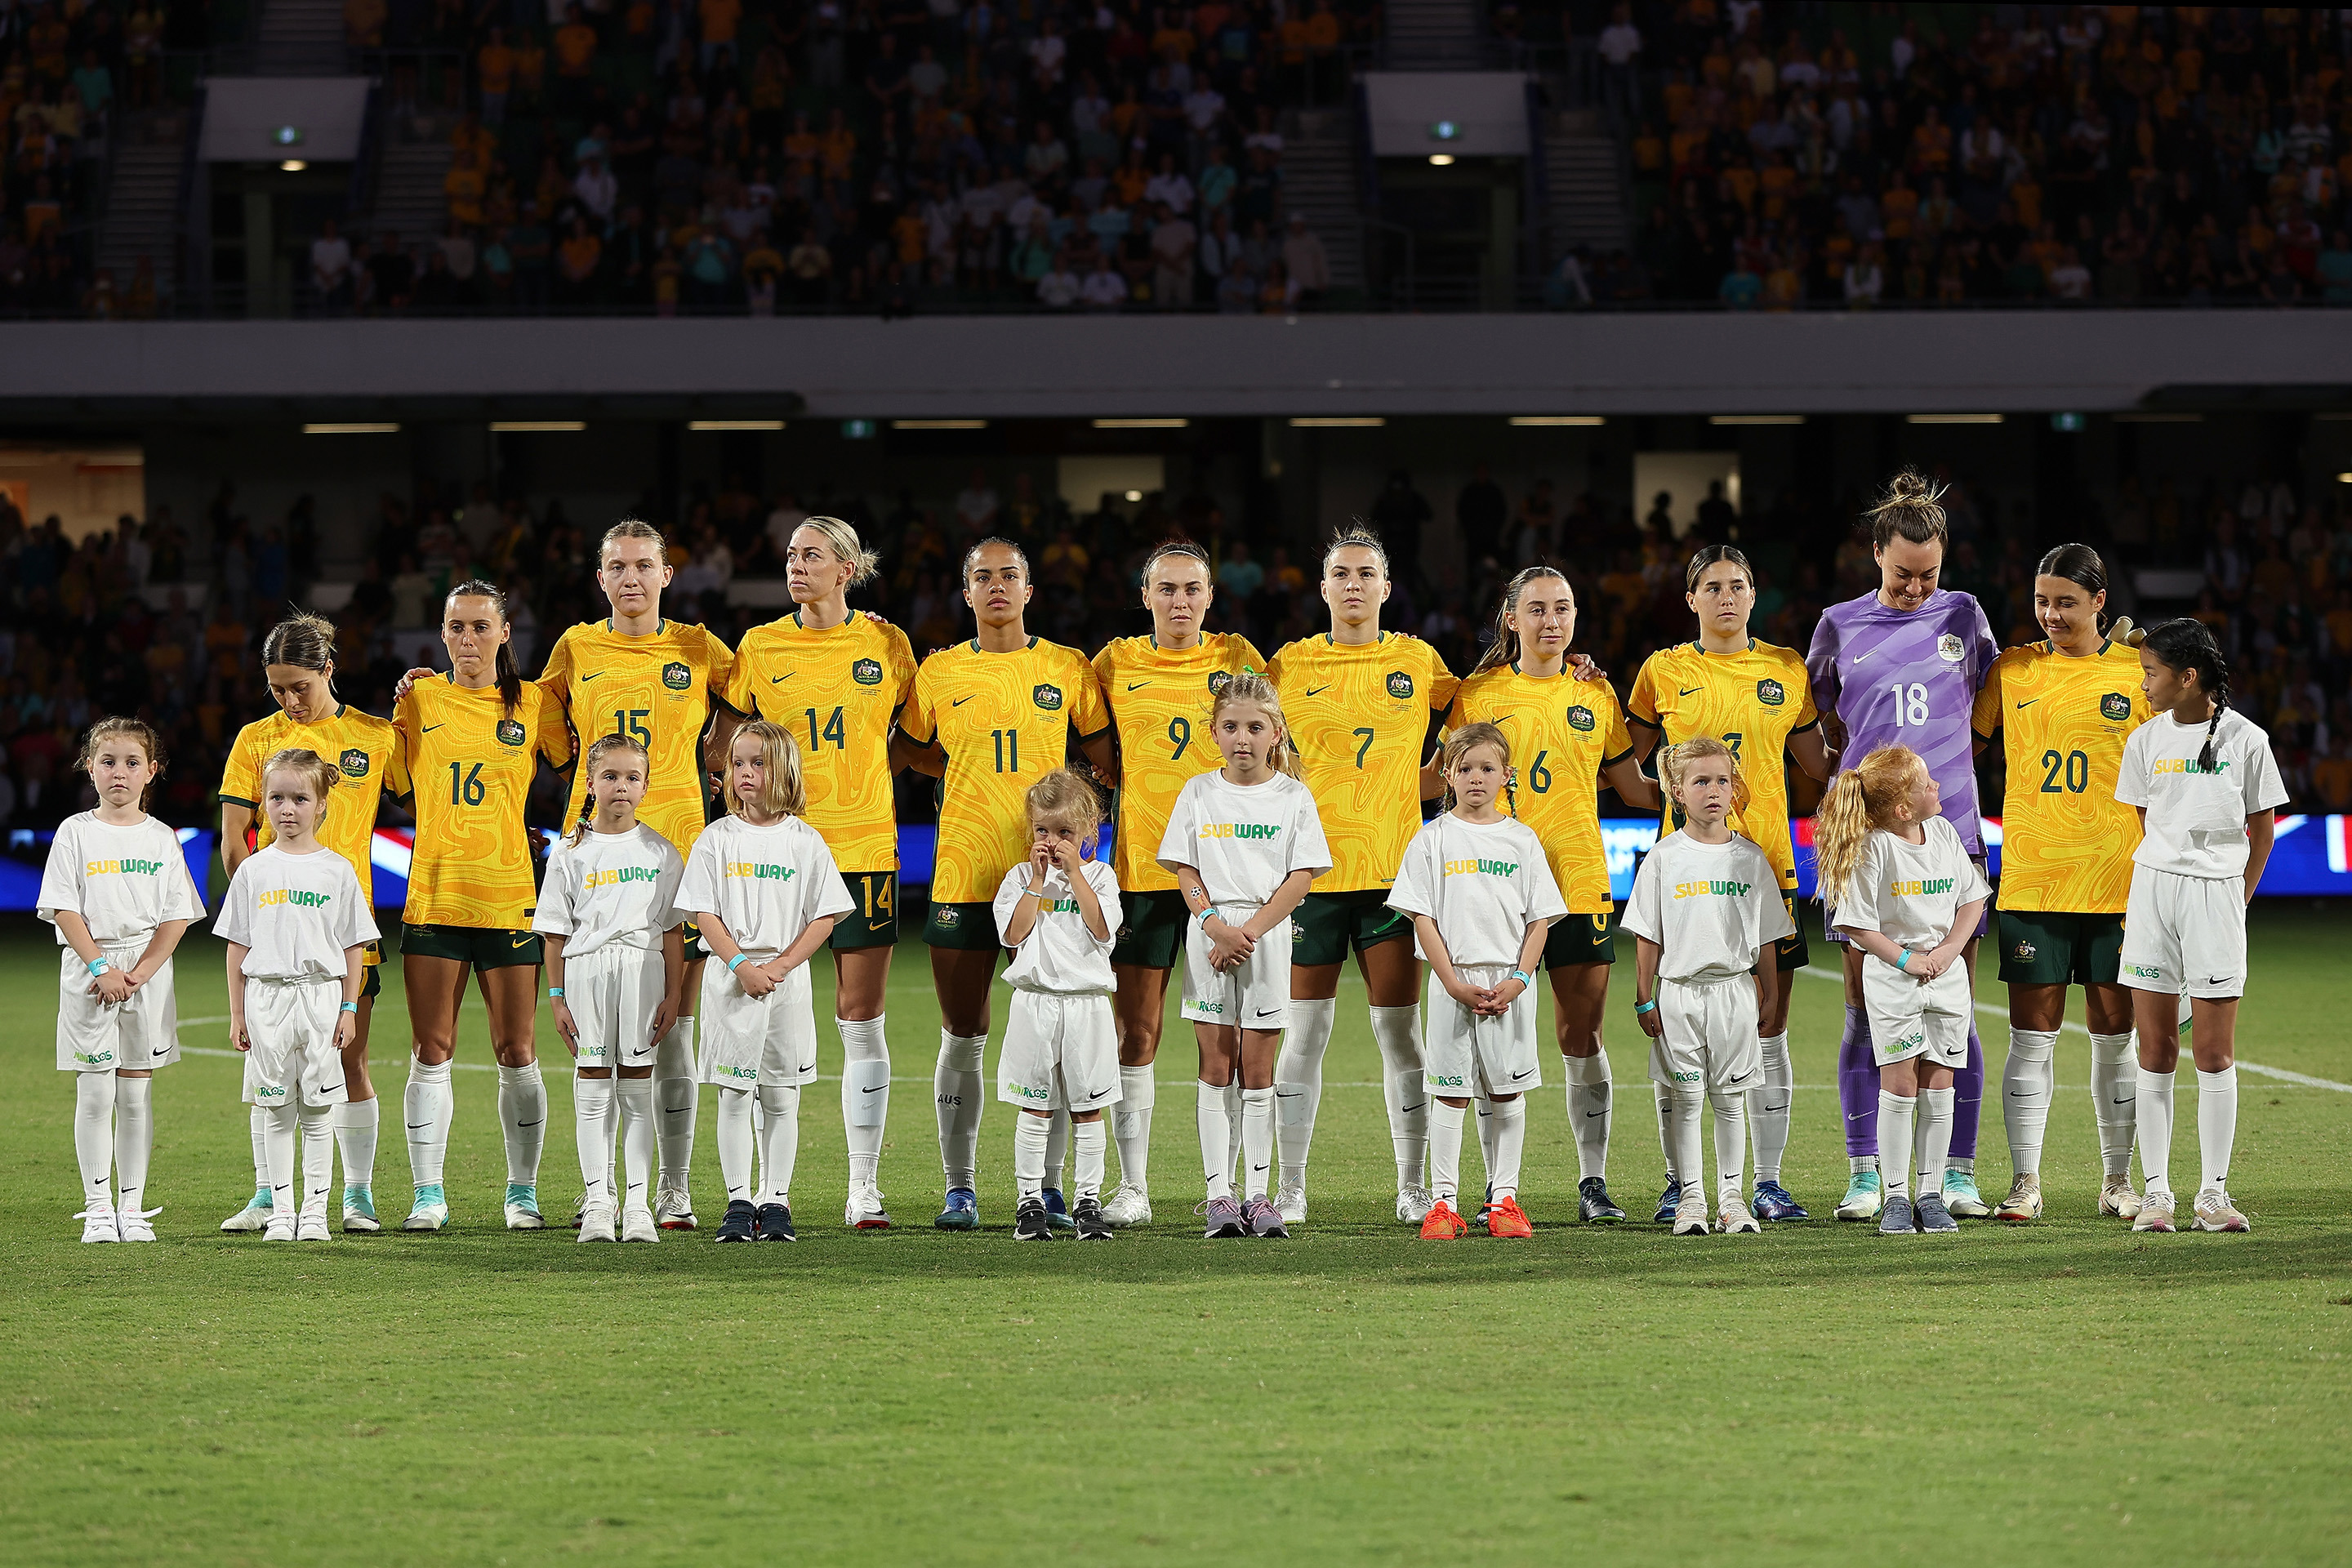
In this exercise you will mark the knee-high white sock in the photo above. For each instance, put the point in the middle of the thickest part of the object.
(523, 1113)
(780, 1140)
(1668, 1110)
(956, 1087)
(735, 1143)
(428, 1105)
(1589, 1111)
(1482, 1116)
(318, 1159)
(1257, 1140)
(355, 1132)
(135, 1139)
(1396, 1032)
(592, 1102)
(1057, 1147)
(1131, 1125)
(1030, 1136)
(2115, 1094)
(1731, 1141)
(2216, 1123)
(1895, 1143)
(2153, 1122)
(1934, 1139)
(280, 1124)
(1682, 1117)
(1233, 1120)
(257, 1121)
(1445, 1150)
(1216, 1140)
(864, 1095)
(1510, 1125)
(1090, 1139)
(93, 1134)
(634, 1096)
(1298, 1082)
(678, 1096)
(1767, 1108)
(2028, 1082)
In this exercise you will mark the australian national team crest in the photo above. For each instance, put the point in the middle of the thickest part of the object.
(355, 764)
(1047, 696)
(676, 675)
(1770, 692)
(1218, 681)
(866, 672)
(2115, 705)
(510, 733)
(1950, 648)
(1400, 685)
(1579, 718)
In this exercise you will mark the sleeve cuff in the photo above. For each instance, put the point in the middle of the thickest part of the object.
(1648, 723)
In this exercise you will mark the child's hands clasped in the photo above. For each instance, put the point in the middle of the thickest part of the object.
(1228, 944)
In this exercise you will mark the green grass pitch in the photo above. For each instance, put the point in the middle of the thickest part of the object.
(2060, 1393)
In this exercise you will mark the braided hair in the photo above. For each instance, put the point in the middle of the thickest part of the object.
(2184, 645)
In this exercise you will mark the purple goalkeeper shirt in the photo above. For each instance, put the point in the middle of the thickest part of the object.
(1908, 678)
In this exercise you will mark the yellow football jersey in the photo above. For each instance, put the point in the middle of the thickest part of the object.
(360, 744)
(1755, 700)
(655, 688)
(464, 770)
(837, 692)
(1359, 716)
(2066, 842)
(1562, 732)
(1004, 720)
(1160, 699)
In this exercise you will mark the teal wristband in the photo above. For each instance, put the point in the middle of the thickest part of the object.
(1523, 977)
(736, 960)
(354, 1006)
(1903, 962)
(555, 991)
(1641, 1007)
(99, 966)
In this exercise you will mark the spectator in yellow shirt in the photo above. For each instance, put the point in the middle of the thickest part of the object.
(719, 18)
(494, 67)
(463, 186)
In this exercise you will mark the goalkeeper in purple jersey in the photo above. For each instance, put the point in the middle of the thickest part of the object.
(1901, 667)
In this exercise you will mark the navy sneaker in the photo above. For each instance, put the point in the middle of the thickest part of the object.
(1895, 1219)
(962, 1212)
(1934, 1215)
(1057, 1212)
(774, 1223)
(1593, 1206)
(1772, 1203)
(1029, 1222)
(743, 1221)
(1668, 1201)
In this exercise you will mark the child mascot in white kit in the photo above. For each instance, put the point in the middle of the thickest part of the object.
(119, 892)
(1058, 911)
(1482, 896)
(1705, 905)
(615, 946)
(298, 925)
(762, 888)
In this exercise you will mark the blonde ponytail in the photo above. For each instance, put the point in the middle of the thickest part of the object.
(1862, 798)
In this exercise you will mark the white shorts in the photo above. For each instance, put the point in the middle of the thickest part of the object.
(2185, 935)
(612, 993)
(291, 1027)
(1707, 1036)
(750, 1042)
(142, 1034)
(1253, 994)
(1061, 1053)
(1463, 1055)
(1910, 1018)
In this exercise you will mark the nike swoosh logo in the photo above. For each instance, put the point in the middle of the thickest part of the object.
(521, 942)
(1589, 1114)
(1261, 1167)
(1137, 685)
(1409, 1109)
(1317, 690)
(430, 727)
(1268, 1011)
(2127, 1100)
(2021, 1094)
(421, 1126)
(1294, 1094)
(520, 1125)
(1858, 658)
(586, 678)
(1517, 1076)
(780, 679)
(2027, 703)
(961, 701)
(1686, 691)
(874, 1089)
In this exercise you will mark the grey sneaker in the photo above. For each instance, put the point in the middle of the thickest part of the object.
(1935, 1216)
(1895, 1219)
(1223, 1217)
(1263, 1218)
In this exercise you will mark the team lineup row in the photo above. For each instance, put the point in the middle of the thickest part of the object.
(1269, 823)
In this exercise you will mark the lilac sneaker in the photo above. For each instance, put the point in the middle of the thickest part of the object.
(1225, 1217)
(1264, 1219)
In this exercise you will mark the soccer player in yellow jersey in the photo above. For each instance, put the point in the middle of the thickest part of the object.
(1159, 689)
(987, 718)
(298, 661)
(1566, 734)
(2061, 710)
(1364, 707)
(834, 681)
(469, 744)
(1755, 699)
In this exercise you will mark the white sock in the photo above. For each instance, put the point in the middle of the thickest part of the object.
(1509, 1124)
(1298, 1082)
(735, 1143)
(355, 1132)
(592, 1102)
(135, 1139)
(257, 1121)
(1445, 1150)
(2216, 1123)
(1482, 1116)
(956, 1087)
(1216, 1140)
(280, 1124)
(780, 1140)
(1030, 1135)
(318, 1159)
(2153, 1122)
(523, 1113)
(1667, 1144)
(1090, 1140)
(93, 1134)
(428, 1105)
(634, 1096)
(1257, 1138)
(1730, 1142)
(1894, 1142)
(2029, 1082)
(1934, 1139)
(1589, 1100)
(1396, 1032)
(1057, 1147)
(1767, 1108)
(1234, 1120)
(679, 1094)
(1683, 1141)
(864, 1095)
(1131, 1125)
(2115, 1094)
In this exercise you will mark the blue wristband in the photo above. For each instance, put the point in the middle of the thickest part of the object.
(354, 1006)
(554, 992)
(99, 966)
(1641, 1007)
(1903, 962)
(736, 960)
(1523, 977)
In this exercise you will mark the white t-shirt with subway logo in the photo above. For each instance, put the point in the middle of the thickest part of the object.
(1061, 954)
(1482, 882)
(1243, 839)
(122, 882)
(2196, 824)
(1711, 908)
(609, 889)
(765, 885)
(296, 913)
(1911, 893)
